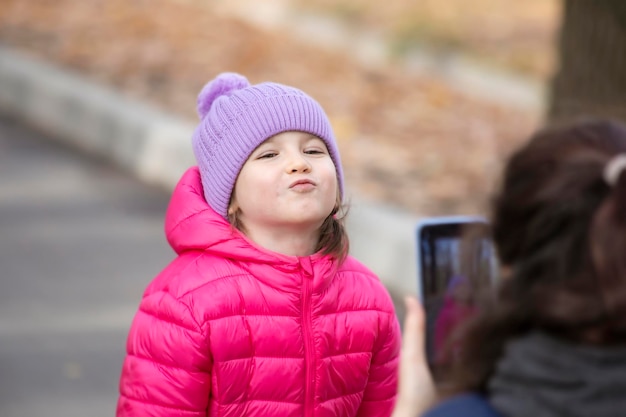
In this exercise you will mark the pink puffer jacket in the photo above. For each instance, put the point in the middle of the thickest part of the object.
(230, 329)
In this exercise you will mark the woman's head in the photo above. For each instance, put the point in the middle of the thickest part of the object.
(267, 156)
(560, 227)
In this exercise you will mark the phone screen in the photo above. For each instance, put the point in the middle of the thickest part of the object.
(456, 261)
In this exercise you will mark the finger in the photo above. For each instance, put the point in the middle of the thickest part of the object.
(414, 337)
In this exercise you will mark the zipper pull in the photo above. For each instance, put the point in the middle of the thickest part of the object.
(306, 265)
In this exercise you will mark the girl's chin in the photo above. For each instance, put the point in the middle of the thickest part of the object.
(306, 222)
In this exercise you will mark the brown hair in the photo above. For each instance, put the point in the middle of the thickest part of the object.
(560, 230)
(333, 238)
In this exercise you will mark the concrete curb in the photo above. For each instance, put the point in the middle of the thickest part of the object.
(149, 143)
(155, 146)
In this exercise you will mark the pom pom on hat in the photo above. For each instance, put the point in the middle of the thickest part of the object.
(236, 117)
(222, 85)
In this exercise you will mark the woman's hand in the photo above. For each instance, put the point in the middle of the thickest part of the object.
(416, 390)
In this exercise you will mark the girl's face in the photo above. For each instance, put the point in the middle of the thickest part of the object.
(288, 181)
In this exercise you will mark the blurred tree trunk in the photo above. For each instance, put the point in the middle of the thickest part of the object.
(591, 80)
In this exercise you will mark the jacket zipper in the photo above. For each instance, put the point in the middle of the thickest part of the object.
(309, 371)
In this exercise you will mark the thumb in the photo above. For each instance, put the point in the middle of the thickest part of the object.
(416, 389)
(413, 340)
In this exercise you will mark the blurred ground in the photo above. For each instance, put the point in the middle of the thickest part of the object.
(508, 33)
(71, 280)
(406, 138)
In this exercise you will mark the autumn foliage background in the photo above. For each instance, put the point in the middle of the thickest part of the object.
(408, 136)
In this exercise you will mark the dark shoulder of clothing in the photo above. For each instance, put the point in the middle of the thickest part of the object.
(464, 405)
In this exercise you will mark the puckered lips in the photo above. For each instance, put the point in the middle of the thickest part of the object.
(302, 185)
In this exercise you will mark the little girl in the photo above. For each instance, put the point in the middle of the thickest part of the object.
(263, 312)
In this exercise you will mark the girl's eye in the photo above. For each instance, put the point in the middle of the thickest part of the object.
(267, 155)
(313, 151)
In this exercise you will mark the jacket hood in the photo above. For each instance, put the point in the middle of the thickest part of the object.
(542, 376)
(191, 224)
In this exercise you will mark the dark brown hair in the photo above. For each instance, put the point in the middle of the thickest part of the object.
(560, 230)
(333, 239)
(333, 235)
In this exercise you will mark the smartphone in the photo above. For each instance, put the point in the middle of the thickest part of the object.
(456, 263)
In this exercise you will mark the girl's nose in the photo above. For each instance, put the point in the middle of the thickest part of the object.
(298, 163)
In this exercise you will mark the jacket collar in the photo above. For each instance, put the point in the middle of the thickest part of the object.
(191, 225)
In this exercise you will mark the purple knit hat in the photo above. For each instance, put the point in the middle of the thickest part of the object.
(236, 117)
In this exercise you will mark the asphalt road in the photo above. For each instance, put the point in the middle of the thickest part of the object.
(79, 241)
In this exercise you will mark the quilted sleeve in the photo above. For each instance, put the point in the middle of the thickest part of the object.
(167, 369)
(380, 393)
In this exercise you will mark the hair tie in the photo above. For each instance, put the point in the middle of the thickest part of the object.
(614, 168)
